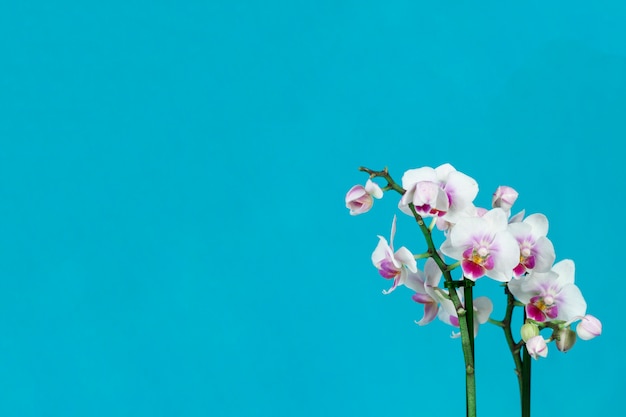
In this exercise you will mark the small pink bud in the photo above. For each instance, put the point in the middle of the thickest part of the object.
(536, 347)
(359, 199)
(504, 197)
(589, 327)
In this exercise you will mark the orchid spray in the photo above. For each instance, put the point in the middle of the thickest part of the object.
(479, 243)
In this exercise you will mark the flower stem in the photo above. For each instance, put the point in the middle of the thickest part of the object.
(495, 322)
(391, 184)
(526, 384)
(470, 377)
(526, 362)
(513, 346)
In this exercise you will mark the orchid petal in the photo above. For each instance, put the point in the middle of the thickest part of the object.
(432, 272)
(373, 189)
(496, 219)
(566, 270)
(446, 306)
(571, 303)
(529, 286)
(484, 308)
(505, 251)
(544, 254)
(404, 256)
(461, 188)
(539, 224)
(520, 230)
(382, 252)
(413, 176)
(422, 298)
(355, 193)
(426, 192)
(415, 281)
(463, 236)
(443, 171)
(430, 312)
(517, 217)
(393, 231)
(396, 284)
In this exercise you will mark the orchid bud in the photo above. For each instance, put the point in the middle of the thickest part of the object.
(504, 197)
(536, 346)
(565, 339)
(359, 199)
(528, 331)
(589, 327)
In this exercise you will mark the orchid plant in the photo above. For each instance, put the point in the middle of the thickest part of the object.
(479, 243)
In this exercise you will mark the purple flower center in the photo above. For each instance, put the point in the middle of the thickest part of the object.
(527, 259)
(428, 209)
(542, 308)
(476, 261)
(387, 269)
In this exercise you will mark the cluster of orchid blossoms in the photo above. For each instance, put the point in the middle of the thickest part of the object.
(492, 243)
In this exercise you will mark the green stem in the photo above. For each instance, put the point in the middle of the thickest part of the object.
(495, 322)
(526, 362)
(470, 377)
(391, 184)
(454, 265)
(513, 346)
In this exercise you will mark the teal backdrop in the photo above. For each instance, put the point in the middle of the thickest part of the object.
(173, 234)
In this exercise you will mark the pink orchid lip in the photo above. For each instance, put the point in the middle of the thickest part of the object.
(533, 312)
(530, 262)
(519, 270)
(387, 269)
(475, 265)
(539, 311)
(428, 209)
(489, 263)
(472, 270)
(552, 312)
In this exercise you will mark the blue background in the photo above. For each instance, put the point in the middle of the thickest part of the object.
(173, 235)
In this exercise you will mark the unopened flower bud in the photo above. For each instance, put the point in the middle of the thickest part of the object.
(359, 199)
(589, 327)
(565, 339)
(504, 197)
(536, 346)
(529, 330)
